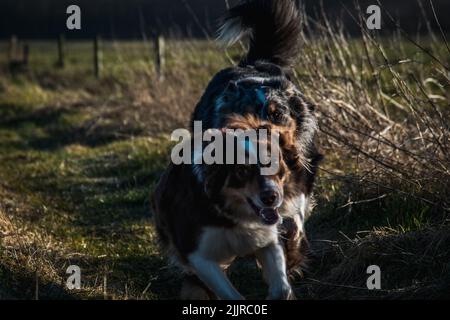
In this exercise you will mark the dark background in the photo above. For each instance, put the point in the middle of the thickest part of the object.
(133, 18)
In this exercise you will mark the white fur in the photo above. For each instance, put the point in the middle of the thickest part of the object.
(224, 244)
(231, 31)
(213, 276)
(218, 247)
(259, 80)
(273, 264)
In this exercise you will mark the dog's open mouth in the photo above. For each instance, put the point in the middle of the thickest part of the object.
(269, 216)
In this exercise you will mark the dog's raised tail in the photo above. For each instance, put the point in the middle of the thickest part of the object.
(273, 27)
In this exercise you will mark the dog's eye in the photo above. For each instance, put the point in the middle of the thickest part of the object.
(277, 117)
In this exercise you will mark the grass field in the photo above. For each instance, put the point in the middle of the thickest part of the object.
(79, 157)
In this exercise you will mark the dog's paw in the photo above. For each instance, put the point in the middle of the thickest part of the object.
(283, 292)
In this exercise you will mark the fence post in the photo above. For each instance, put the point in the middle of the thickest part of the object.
(61, 53)
(159, 56)
(26, 55)
(12, 48)
(97, 57)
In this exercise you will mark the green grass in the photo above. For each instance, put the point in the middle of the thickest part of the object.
(93, 199)
(80, 156)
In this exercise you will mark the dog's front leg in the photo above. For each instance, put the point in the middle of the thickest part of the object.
(213, 277)
(273, 264)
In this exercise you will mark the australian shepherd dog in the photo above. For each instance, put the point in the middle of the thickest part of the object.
(206, 215)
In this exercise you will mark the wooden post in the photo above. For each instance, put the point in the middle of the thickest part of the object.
(105, 290)
(97, 57)
(159, 56)
(12, 48)
(26, 55)
(36, 286)
(61, 41)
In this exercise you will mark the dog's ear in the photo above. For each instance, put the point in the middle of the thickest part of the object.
(286, 133)
(214, 180)
(287, 136)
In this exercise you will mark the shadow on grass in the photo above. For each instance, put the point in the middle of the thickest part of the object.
(91, 195)
(359, 225)
(114, 180)
(51, 128)
(25, 285)
(96, 198)
(413, 265)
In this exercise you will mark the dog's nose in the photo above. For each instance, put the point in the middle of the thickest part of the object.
(269, 197)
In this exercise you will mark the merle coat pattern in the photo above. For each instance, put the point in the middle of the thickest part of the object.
(262, 85)
(190, 223)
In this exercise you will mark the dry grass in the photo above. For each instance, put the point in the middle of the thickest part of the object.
(79, 157)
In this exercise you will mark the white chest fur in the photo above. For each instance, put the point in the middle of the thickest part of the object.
(223, 244)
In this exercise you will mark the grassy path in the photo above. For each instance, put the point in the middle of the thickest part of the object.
(79, 157)
(89, 201)
(70, 199)
(67, 201)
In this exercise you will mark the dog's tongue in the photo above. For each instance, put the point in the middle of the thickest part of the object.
(270, 216)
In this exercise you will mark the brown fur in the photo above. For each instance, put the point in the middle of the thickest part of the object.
(295, 242)
(183, 206)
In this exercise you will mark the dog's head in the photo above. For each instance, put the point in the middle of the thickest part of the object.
(250, 191)
(271, 95)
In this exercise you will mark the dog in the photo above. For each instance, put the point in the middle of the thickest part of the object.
(207, 215)
(189, 214)
(261, 85)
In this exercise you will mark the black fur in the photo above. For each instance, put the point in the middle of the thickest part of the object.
(261, 84)
(274, 28)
